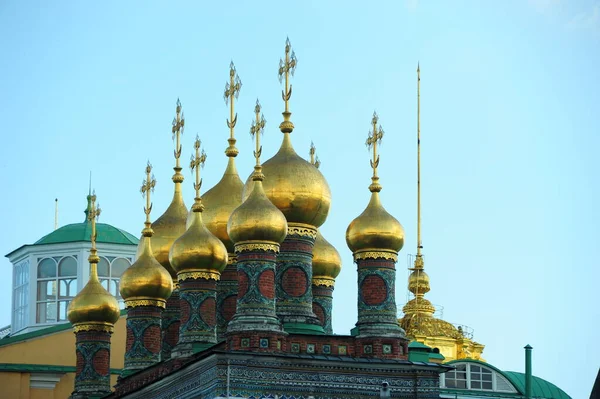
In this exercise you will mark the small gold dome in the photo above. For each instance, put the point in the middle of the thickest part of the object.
(295, 186)
(419, 305)
(93, 304)
(418, 282)
(198, 249)
(169, 227)
(219, 202)
(326, 263)
(375, 229)
(257, 219)
(146, 279)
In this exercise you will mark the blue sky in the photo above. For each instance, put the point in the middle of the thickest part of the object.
(509, 98)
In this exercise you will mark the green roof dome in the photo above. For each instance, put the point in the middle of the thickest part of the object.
(75, 232)
(82, 232)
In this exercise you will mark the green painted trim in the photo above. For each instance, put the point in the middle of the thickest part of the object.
(41, 332)
(44, 368)
(417, 345)
(301, 328)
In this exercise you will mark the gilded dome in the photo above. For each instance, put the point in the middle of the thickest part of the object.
(169, 227)
(375, 229)
(326, 263)
(296, 187)
(198, 249)
(146, 279)
(418, 282)
(93, 304)
(428, 326)
(219, 202)
(257, 219)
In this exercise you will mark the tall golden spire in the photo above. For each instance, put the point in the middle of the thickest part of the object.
(419, 243)
(231, 93)
(255, 131)
(314, 159)
(285, 68)
(374, 138)
(196, 163)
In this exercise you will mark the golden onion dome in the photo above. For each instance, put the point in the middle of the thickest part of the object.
(375, 229)
(219, 202)
(326, 263)
(296, 187)
(170, 226)
(198, 249)
(418, 282)
(257, 219)
(146, 281)
(93, 304)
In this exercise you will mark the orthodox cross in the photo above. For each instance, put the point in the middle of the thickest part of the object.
(256, 130)
(92, 217)
(285, 68)
(196, 163)
(232, 91)
(177, 131)
(374, 138)
(147, 187)
(313, 158)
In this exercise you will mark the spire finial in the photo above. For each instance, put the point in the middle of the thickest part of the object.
(255, 131)
(373, 140)
(314, 159)
(419, 243)
(232, 91)
(285, 68)
(196, 163)
(148, 187)
(93, 215)
(177, 131)
(90, 187)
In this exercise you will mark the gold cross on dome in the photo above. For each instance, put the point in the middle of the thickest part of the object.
(374, 138)
(232, 91)
(93, 215)
(256, 130)
(177, 131)
(148, 187)
(285, 68)
(196, 162)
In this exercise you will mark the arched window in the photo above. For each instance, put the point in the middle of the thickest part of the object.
(474, 376)
(110, 270)
(56, 287)
(20, 295)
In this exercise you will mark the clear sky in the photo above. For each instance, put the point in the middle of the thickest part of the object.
(510, 96)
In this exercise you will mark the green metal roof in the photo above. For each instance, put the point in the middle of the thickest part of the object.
(82, 232)
(540, 388)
